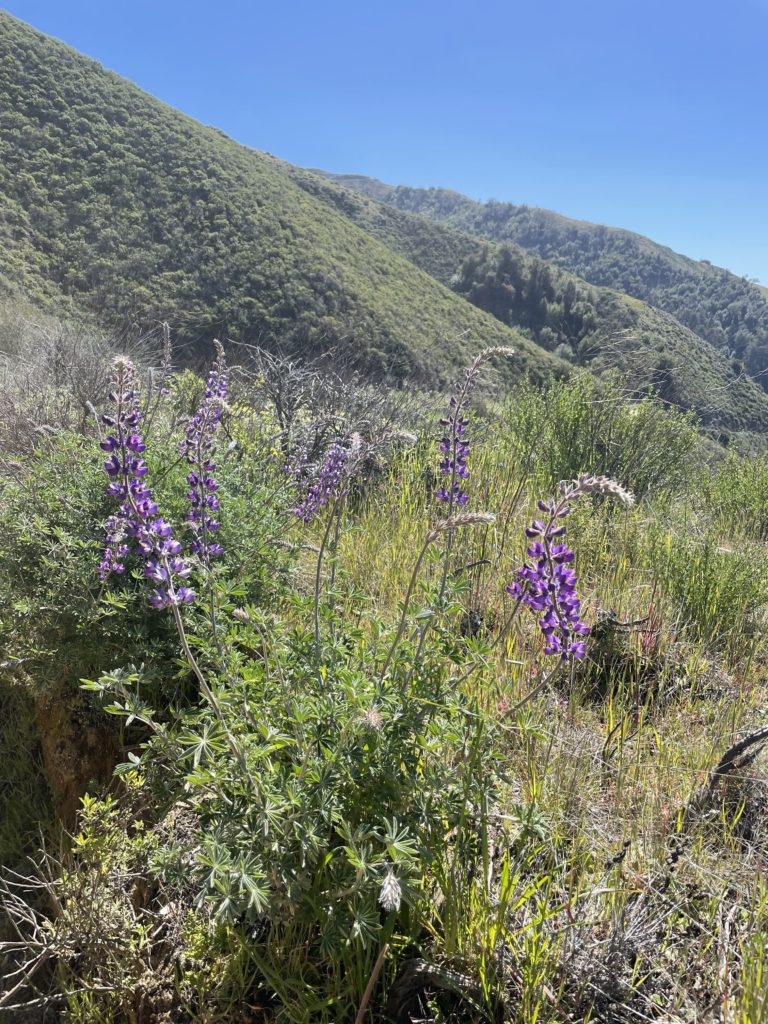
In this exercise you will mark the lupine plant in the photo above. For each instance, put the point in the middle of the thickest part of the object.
(197, 445)
(454, 443)
(455, 449)
(327, 485)
(138, 517)
(548, 586)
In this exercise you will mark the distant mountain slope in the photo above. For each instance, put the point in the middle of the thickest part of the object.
(593, 327)
(728, 311)
(136, 212)
(436, 248)
(650, 347)
(602, 329)
(126, 208)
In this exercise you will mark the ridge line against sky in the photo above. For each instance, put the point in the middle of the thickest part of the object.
(650, 119)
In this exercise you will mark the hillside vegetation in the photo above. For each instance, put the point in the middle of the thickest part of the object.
(593, 327)
(603, 330)
(124, 207)
(115, 206)
(333, 697)
(728, 311)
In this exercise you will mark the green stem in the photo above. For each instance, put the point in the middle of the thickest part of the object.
(318, 576)
(209, 694)
(406, 605)
(504, 629)
(536, 690)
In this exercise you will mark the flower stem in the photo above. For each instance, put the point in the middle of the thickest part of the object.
(318, 576)
(406, 605)
(209, 694)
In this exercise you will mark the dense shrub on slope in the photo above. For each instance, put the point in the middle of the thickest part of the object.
(356, 776)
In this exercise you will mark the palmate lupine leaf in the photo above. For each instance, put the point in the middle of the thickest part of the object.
(248, 879)
(399, 842)
(204, 744)
(366, 927)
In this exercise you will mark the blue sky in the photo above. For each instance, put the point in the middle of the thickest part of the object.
(645, 114)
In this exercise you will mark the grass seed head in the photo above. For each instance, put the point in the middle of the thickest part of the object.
(459, 520)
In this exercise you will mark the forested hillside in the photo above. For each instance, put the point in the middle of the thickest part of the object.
(728, 311)
(126, 208)
(116, 205)
(592, 327)
(603, 329)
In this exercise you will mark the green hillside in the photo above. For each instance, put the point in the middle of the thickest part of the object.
(436, 248)
(603, 329)
(113, 204)
(597, 328)
(728, 311)
(126, 208)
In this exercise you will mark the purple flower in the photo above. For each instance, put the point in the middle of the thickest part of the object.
(454, 447)
(548, 585)
(197, 445)
(326, 486)
(454, 444)
(136, 519)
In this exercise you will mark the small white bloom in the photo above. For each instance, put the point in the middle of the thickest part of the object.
(372, 718)
(390, 893)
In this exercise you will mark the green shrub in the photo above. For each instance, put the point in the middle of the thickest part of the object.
(720, 591)
(586, 426)
(736, 495)
(348, 767)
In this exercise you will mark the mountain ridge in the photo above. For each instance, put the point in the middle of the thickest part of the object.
(649, 346)
(728, 311)
(114, 203)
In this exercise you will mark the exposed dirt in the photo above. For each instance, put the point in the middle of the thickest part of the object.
(77, 751)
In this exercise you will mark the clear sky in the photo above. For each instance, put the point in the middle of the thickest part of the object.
(646, 114)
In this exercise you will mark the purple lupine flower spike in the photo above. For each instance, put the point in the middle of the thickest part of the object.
(454, 444)
(454, 447)
(548, 587)
(197, 446)
(327, 485)
(136, 521)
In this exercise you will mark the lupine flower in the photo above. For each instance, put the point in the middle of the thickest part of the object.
(137, 523)
(327, 485)
(390, 893)
(548, 586)
(454, 447)
(454, 444)
(197, 445)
